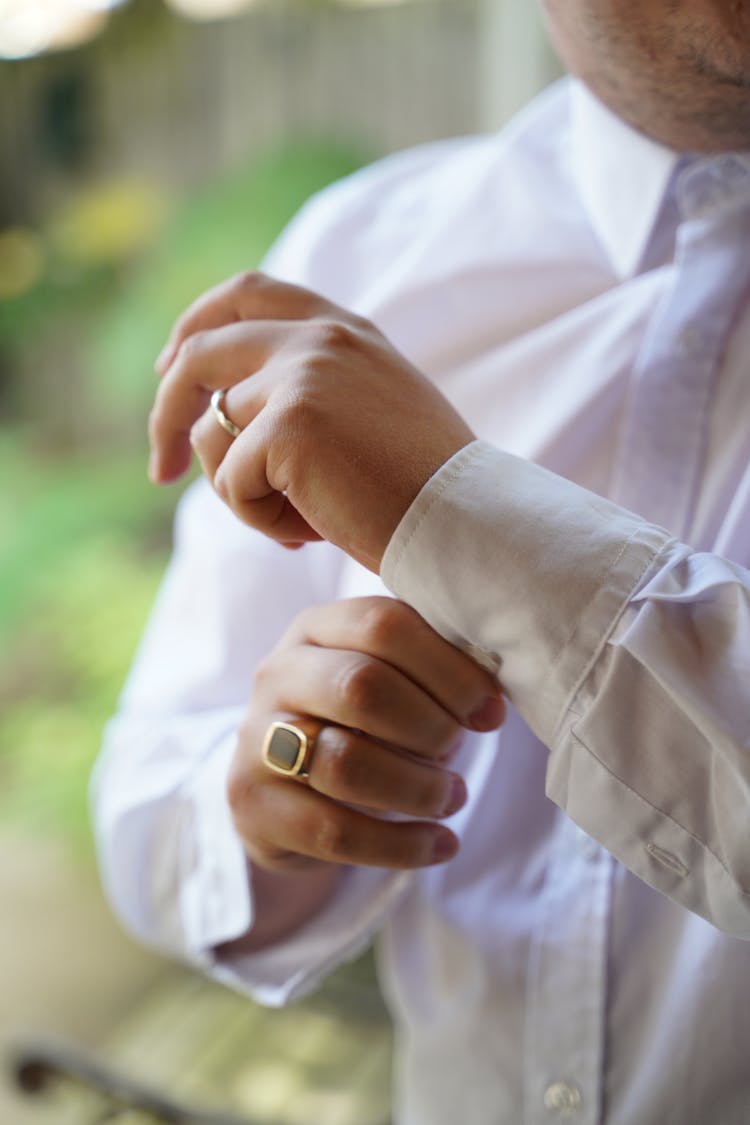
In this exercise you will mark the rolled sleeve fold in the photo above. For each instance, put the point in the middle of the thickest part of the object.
(627, 653)
(529, 569)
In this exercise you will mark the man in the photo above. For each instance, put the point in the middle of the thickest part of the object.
(574, 293)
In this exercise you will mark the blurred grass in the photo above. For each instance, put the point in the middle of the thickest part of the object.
(83, 537)
(221, 232)
(56, 507)
(83, 545)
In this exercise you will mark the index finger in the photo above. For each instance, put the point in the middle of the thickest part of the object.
(209, 360)
(247, 296)
(393, 632)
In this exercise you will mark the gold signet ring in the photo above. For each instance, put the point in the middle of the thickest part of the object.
(288, 747)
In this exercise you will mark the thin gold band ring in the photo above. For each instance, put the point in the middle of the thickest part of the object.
(217, 405)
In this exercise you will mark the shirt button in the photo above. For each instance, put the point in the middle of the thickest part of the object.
(562, 1098)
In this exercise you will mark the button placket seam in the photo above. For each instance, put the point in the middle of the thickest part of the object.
(583, 1052)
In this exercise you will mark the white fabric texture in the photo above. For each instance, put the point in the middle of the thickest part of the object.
(585, 954)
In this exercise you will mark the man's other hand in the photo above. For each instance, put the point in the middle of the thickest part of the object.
(339, 431)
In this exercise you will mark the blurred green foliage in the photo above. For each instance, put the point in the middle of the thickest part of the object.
(83, 541)
(83, 537)
(219, 233)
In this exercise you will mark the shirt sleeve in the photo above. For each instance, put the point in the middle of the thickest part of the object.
(626, 652)
(172, 864)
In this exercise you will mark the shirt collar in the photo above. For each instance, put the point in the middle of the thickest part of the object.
(621, 176)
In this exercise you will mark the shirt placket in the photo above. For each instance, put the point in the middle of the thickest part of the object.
(657, 472)
(566, 987)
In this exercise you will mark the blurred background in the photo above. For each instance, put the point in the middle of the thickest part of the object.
(148, 149)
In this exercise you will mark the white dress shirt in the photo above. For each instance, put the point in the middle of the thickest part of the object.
(585, 954)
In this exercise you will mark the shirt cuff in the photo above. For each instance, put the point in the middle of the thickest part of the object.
(216, 903)
(294, 967)
(523, 569)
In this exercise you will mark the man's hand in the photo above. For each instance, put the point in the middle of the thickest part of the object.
(392, 696)
(339, 431)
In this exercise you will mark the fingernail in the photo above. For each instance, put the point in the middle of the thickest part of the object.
(444, 847)
(489, 715)
(457, 795)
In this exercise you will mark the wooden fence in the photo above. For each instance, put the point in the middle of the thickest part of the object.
(174, 100)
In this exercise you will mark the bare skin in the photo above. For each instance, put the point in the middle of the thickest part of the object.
(391, 693)
(394, 698)
(339, 434)
(677, 70)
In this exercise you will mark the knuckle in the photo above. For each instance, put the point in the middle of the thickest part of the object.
(192, 348)
(182, 324)
(265, 673)
(330, 334)
(298, 415)
(382, 624)
(361, 686)
(265, 855)
(199, 433)
(270, 857)
(305, 623)
(247, 281)
(340, 763)
(298, 412)
(333, 839)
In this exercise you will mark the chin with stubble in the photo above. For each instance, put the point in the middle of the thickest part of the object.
(677, 70)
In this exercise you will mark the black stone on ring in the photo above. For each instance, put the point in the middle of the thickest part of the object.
(288, 747)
